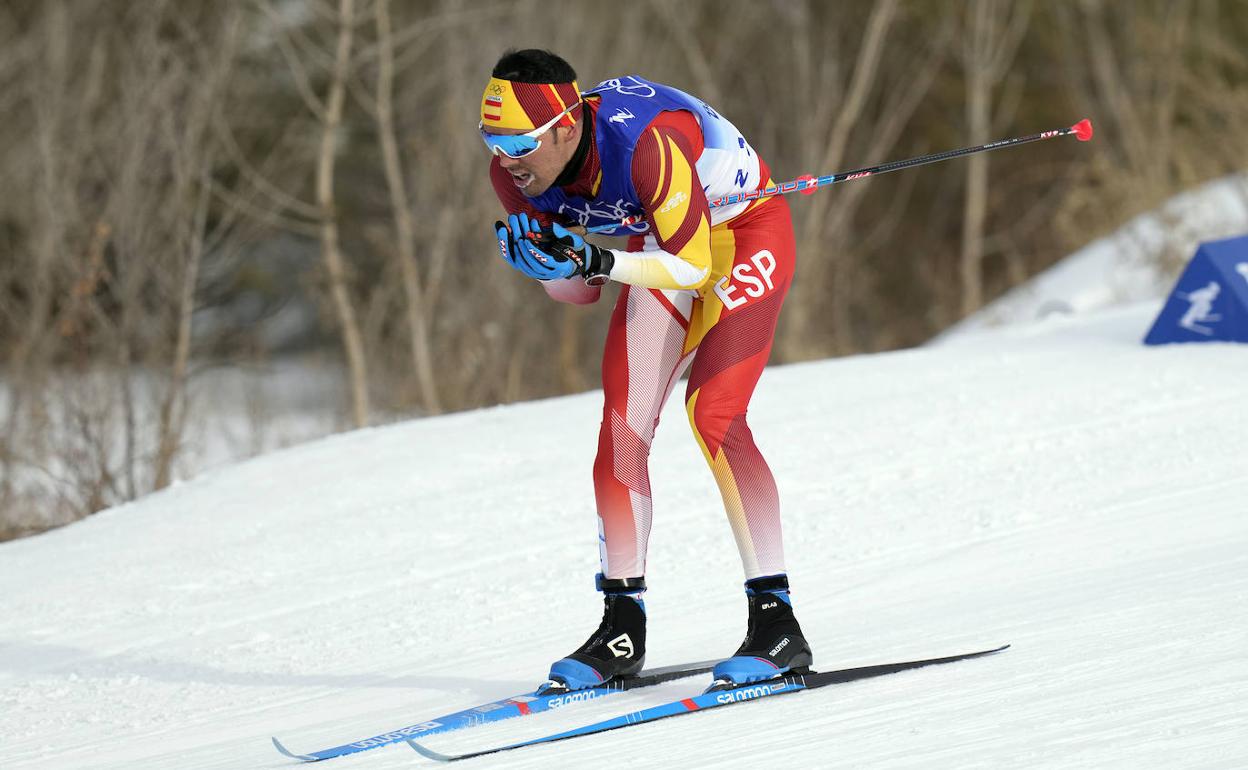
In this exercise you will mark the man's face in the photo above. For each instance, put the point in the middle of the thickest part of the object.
(537, 171)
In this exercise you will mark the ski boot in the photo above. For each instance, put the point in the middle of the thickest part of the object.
(774, 644)
(616, 649)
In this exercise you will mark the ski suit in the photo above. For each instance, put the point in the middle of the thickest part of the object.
(702, 293)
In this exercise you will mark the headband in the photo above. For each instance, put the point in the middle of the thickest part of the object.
(526, 106)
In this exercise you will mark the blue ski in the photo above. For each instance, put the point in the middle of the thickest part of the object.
(714, 699)
(515, 706)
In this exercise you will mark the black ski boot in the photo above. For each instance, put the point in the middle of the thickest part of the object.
(774, 644)
(616, 649)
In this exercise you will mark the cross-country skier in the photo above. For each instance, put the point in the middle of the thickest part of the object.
(702, 287)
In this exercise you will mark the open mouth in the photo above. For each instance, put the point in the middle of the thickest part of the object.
(521, 179)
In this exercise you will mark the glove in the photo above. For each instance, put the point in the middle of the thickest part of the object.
(536, 263)
(513, 253)
(566, 254)
(513, 238)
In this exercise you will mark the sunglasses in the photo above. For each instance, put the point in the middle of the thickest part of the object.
(519, 145)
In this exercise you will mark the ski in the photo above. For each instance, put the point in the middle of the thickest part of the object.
(715, 698)
(495, 711)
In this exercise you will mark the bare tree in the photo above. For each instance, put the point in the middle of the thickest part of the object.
(331, 119)
(862, 99)
(404, 232)
(193, 154)
(991, 35)
(97, 319)
(328, 112)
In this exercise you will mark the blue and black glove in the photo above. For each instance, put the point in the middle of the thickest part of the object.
(551, 255)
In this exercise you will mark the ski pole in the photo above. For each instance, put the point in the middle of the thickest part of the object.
(808, 184)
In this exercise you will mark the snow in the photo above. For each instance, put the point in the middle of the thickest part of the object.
(1057, 486)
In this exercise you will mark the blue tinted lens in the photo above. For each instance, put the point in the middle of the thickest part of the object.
(512, 146)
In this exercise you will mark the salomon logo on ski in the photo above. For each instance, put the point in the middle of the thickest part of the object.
(749, 693)
(397, 735)
(576, 696)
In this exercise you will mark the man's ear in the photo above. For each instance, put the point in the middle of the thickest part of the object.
(564, 133)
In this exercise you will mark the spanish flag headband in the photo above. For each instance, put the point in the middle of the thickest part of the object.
(526, 106)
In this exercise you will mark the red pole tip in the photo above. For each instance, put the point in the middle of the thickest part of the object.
(807, 178)
(1083, 130)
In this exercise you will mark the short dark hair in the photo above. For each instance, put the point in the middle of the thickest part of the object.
(533, 65)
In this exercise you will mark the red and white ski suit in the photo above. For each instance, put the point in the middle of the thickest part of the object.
(702, 294)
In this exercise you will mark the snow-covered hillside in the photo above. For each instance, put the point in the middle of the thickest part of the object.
(1059, 487)
(1135, 263)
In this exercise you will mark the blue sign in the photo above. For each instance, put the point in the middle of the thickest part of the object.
(1210, 301)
